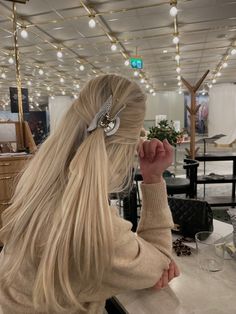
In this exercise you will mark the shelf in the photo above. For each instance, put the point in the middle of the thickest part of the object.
(227, 179)
(220, 201)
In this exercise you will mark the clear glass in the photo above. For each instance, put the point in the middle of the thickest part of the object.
(210, 250)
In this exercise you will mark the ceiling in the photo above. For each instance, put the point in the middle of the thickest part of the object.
(207, 31)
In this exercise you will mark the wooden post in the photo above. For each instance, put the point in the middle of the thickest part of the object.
(193, 111)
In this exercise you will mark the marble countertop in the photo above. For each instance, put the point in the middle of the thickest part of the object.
(194, 292)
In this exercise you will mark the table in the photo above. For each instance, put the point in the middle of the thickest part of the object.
(194, 292)
(223, 201)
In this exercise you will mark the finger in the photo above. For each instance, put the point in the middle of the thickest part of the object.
(146, 148)
(168, 148)
(176, 270)
(171, 271)
(140, 148)
(154, 143)
(165, 279)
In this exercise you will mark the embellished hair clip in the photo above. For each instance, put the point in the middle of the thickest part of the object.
(103, 119)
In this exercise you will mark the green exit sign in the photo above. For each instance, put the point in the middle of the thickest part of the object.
(136, 63)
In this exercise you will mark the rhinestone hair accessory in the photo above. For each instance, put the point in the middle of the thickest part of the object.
(103, 119)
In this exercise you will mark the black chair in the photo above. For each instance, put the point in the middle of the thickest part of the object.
(186, 185)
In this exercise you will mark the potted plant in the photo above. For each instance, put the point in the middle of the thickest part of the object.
(165, 130)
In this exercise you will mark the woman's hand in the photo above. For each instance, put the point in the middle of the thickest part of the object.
(155, 156)
(167, 276)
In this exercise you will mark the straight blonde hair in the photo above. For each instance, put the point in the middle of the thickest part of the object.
(60, 221)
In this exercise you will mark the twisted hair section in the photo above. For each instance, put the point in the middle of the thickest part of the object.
(60, 222)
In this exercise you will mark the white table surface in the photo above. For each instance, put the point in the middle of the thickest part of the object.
(194, 292)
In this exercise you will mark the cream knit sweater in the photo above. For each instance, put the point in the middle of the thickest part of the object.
(139, 258)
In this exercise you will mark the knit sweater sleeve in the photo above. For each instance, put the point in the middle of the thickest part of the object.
(141, 258)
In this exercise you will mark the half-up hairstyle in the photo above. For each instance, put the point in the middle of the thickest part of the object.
(60, 221)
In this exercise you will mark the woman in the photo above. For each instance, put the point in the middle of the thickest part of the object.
(65, 249)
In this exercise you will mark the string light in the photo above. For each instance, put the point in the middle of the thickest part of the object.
(210, 85)
(177, 57)
(225, 64)
(52, 97)
(38, 94)
(179, 83)
(24, 33)
(3, 75)
(153, 94)
(175, 40)
(81, 67)
(136, 73)
(48, 88)
(92, 23)
(41, 72)
(214, 81)
(126, 63)
(113, 47)
(233, 52)
(77, 86)
(63, 92)
(173, 11)
(147, 86)
(178, 77)
(218, 74)
(178, 69)
(142, 81)
(62, 80)
(180, 91)
(11, 60)
(29, 83)
(59, 54)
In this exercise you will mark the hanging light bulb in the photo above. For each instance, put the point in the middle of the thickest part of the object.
(178, 77)
(37, 104)
(214, 81)
(126, 62)
(179, 83)
(154, 94)
(41, 72)
(136, 73)
(29, 83)
(75, 96)
(63, 92)
(233, 52)
(151, 90)
(62, 80)
(147, 86)
(175, 40)
(210, 85)
(81, 67)
(142, 81)
(11, 60)
(24, 33)
(48, 88)
(52, 97)
(38, 94)
(173, 11)
(225, 64)
(31, 99)
(31, 107)
(177, 57)
(77, 86)
(3, 75)
(178, 69)
(59, 54)
(113, 47)
(218, 74)
(180, 91)
(92, 23)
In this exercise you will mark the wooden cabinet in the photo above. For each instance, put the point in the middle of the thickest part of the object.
(11, 168)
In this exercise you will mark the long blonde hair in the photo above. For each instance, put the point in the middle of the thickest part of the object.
(60, 218)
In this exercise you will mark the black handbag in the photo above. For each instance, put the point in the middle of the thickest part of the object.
(190, 216)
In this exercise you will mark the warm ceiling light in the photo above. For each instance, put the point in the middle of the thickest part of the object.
(142, 81)
(175, 40)
(113, 47)
(165, 51)
(173, 11)
(203, 92)
(225, 64)
(147, 86)
(214, 81)
(177, 57)
(11, 60)
(210, 85)
(31, 107)
(63, 92)
(24, 33)
(178, 77)
(41, 72)
(151, 90)
(180, 91)
(126, 62)
(29, 83)
(38, 94)
(178, 69)
(92, 23)
(48, 88)
(179, 83)
(164, 84)
(153, 94)
(52, 97)
(218, 74)
(136, 73)
(81, 67)
(62, 80)
(59, 54)
(77, 86)
(75, 96)
(233, 52)
(3, 75)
